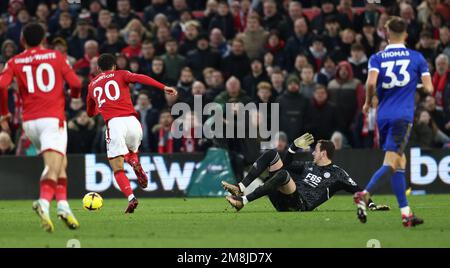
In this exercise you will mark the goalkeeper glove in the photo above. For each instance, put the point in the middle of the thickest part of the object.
(303, 142)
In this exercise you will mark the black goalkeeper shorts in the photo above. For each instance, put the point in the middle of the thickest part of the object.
(283, 202)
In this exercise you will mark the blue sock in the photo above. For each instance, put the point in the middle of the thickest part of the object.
(399, 187)
(376, 176)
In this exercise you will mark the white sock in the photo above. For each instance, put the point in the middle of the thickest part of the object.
(44, 204)
(63, 203)
(405, 211)
(130, 197)
(241, 187)
(244, 200)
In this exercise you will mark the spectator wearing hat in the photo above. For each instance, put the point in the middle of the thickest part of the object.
(327, 8)
(293, 108)
(173, 61)
(254, 37)
(358, 60)
(60, 44)
(134, 45)
(348, 94)
(275, 45)
(298, 43)
(113, 43)
(256, 76)
(237, 62)
(218, 43)
(83, 33)
(15, 29)
(223, 20)
(317, 52)
(124, 13)
(321, 117)
(307, 84)
(82, 66)
(202, 57)
(369, 39)
(331, 32)
(370, 15)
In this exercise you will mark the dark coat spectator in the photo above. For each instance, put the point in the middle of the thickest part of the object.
(202, 57)
(81, 134)
(113, 43)
(257, 75)
(148, 116)
(223, 20)
(298, 43)
(237, 63)
(293, 108)
(321, 116)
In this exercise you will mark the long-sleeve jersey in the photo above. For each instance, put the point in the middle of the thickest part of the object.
(316, 184)
(109, 93)
(40, 74)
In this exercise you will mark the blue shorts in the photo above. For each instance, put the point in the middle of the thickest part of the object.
(394, 134)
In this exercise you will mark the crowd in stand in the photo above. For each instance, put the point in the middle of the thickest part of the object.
(310, 57)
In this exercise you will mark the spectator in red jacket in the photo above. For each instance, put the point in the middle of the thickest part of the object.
(82, 66)
(134, 45)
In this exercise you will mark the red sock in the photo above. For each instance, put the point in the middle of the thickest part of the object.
(48, 188)
(131, 157)
(61, 189)
(123, 182)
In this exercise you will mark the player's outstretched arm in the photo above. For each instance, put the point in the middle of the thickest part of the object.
(91, 109)
(371, 85)
(6, 78)
(427, 84)
(146, 80)
(303, 142)
(71, 78)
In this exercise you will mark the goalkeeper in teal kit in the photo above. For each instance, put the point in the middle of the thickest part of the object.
(394, 74)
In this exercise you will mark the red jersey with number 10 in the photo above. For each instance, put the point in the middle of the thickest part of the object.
(40, 75)
(109, 93)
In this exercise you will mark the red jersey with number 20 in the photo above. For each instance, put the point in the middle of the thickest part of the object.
(109, 93)
(40, 75)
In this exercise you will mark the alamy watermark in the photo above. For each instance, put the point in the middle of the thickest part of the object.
(229, 120)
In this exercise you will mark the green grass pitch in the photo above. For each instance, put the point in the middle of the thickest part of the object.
(211, 222)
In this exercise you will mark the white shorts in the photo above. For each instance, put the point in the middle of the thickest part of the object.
(123, 134)
(46, 134)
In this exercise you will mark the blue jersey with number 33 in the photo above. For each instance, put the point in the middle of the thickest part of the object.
(399, 71)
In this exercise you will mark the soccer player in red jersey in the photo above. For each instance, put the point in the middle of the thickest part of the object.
(109, 95)
(40, 74)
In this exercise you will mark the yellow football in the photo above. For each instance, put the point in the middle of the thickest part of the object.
(92, 201)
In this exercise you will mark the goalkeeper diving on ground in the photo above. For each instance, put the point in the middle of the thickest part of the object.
(296, 185)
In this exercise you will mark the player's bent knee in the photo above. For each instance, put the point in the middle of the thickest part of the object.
(282, 177)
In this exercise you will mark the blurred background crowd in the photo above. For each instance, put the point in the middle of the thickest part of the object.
(308, 56)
